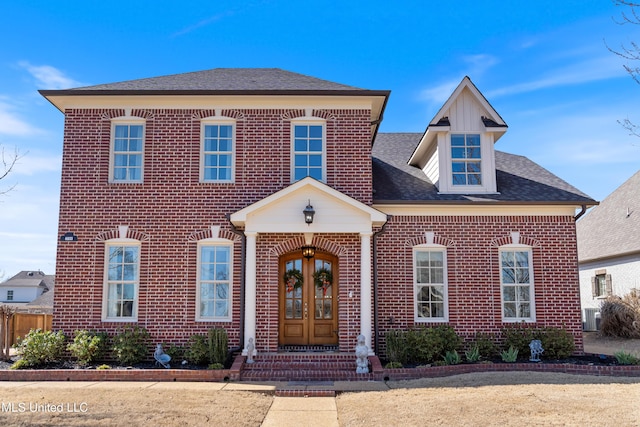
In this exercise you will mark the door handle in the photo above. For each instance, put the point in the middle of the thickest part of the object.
(306, 310)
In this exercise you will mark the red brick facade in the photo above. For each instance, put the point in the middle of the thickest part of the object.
(472, 244)
(171, 210)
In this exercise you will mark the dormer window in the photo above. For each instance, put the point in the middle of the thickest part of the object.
(466, 159)
(457, 150)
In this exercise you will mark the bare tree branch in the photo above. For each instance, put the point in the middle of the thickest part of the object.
(630, 52)
(8, 163)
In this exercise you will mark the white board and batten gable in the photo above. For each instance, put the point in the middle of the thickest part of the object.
(466, 113)
(282, 212)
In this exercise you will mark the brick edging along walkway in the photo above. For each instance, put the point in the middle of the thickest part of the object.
(233, 374)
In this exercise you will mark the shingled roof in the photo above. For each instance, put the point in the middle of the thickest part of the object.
(519, 180)
(218, 80)
(612, 228)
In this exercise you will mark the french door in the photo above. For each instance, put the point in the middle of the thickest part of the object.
(308, 300)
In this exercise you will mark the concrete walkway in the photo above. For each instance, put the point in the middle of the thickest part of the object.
(302, 411)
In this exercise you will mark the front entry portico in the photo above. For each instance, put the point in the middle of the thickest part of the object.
(336, 215)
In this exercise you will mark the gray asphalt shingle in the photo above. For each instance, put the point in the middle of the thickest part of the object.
(518, 178)
(226, 79)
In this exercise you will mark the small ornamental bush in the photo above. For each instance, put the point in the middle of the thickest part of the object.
(510, 356)
(393, 365)
(130, 345)
(88, 346)
(620, 317)
(486, 344)
(218, 344)
(420, 346)
(176, 352)
(519, 337)
(197, 351)
(39, 348)
(557, 343)
(625, 358)
(452, 358)
(473, 354)
(210, 349)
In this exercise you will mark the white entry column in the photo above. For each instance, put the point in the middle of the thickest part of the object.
(250, 290)
(365, 288)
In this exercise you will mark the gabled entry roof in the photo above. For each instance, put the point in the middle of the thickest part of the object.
(335, 212)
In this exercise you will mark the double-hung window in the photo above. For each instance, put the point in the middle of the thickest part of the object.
(214, 281)
(466, 159)
(217, 157)
(127, 152)
(122, 278)
(308, 155)
(430, 284)
(10, 295)
(516, 278)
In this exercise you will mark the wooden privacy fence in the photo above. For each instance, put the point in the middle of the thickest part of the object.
(22, 323)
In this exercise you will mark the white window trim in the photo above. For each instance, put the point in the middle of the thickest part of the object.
(105, 287)
(223, 121)
(487, 165)
(214, 242)
(314, 121)
(532, 293)
(119, 121)
(430, 248)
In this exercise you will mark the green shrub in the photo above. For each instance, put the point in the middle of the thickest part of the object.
(197, 351)
(419, 346)
(130, 345)
(210, 349)
(39, 348)
(103, 367)
(87, 346)
(176, 352)
(473, 354)
(510, 356)
(556, 342)
(452, 358)
(218, 345)
(215, 366)
(519, 337)
(486, 344)
(396, 346)
(393, 365)
(625, 358)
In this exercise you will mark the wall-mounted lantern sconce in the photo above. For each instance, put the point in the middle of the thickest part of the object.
(308, 251)
(308, 213)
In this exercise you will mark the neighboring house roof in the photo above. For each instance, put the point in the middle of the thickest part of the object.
(32, 279)
(518, 179)
(612, 228)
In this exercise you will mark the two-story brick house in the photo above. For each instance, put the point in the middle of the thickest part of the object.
(266, 202)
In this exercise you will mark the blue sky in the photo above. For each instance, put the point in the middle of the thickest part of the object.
(543, 65)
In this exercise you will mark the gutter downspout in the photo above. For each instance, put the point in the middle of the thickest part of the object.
(376, 345)
(243, 239)
(582, 212)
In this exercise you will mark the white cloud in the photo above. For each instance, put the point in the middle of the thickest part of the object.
(595, 69)
(475, 65)
(49, 77)
(11, 123)
(30, 164)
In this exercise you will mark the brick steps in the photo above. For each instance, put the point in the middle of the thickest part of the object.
(306, 367)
